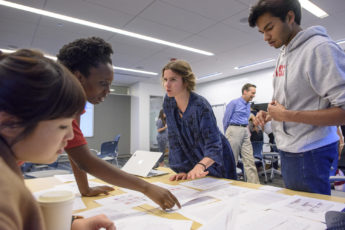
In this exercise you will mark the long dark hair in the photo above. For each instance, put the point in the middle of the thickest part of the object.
(35, 88)
(160, 116)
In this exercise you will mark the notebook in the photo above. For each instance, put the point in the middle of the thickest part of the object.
(141, 164)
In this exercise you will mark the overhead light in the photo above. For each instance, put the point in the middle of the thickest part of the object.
(134, 70)
(210, 75)
(12, 51)
(254, 64)
(114, 67)
(112, 90)
(340, 41)
(100, 26)
(312, 8)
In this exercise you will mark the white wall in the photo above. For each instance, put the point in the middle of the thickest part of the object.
(227, 89)
(140, 114)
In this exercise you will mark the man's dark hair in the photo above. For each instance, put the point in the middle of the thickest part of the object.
(277, 8)
(247, 86)
(82, 54)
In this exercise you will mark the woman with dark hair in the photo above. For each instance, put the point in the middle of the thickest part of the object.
(196, 146)
(38, 101)
(162, 136)
(90, 62)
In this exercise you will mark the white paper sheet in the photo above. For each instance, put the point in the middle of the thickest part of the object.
(74, 187)
(70, 177)
(226, 191)
(263, 198)
(270, 188)
(223, 218)
(307, 207)
(78, 203)
(150, 222)
(209, 214)
(273, 220)
(123, 201)
(113, 213)
(182, 193)
(205, 183)
(130, 219)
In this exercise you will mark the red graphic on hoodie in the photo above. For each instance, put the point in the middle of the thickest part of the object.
(280, 71)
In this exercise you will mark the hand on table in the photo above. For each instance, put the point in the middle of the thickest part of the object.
(163, 197)
(95, 191)
(178, 176)
(93, 223)
(197, 172)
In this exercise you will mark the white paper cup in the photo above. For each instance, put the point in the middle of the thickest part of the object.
(57, 208)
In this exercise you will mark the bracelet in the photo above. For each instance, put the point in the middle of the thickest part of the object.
(199, 163)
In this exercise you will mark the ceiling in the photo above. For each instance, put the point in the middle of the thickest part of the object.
(216, 26)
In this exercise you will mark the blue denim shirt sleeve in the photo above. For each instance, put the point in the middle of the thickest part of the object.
(211, 136)
(230, 108)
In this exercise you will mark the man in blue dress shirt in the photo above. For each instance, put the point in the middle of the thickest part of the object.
(235, 124)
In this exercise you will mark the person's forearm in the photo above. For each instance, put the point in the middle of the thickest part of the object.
(162, 129)
(325, 117)
(105, 171)
(207, 161)
(80, 177)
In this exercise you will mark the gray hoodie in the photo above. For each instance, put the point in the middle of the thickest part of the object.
(309, 75)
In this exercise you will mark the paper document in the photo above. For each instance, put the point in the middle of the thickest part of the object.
(150, 222)
(273, 220)
(205, 214)
(70, 177)
(223, 218)
(182, 193)
(74, 187)
(270, 188)
(113, 213)
(124, 201)
(225, 191)
(307, 207)
(205, 183)
(130, 219)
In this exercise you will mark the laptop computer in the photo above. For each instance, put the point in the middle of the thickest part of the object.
(142, 162)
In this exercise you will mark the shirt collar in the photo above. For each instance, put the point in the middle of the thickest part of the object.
(243, 101)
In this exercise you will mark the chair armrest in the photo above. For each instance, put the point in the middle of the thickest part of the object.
(336, 178)
(95, 151)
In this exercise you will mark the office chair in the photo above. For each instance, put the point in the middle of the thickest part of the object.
(335, 220)
(60, 166)
(258, 158)
(108, 151)
(273, 158)
(117, 137)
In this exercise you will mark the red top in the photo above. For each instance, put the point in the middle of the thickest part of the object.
(78, 139)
